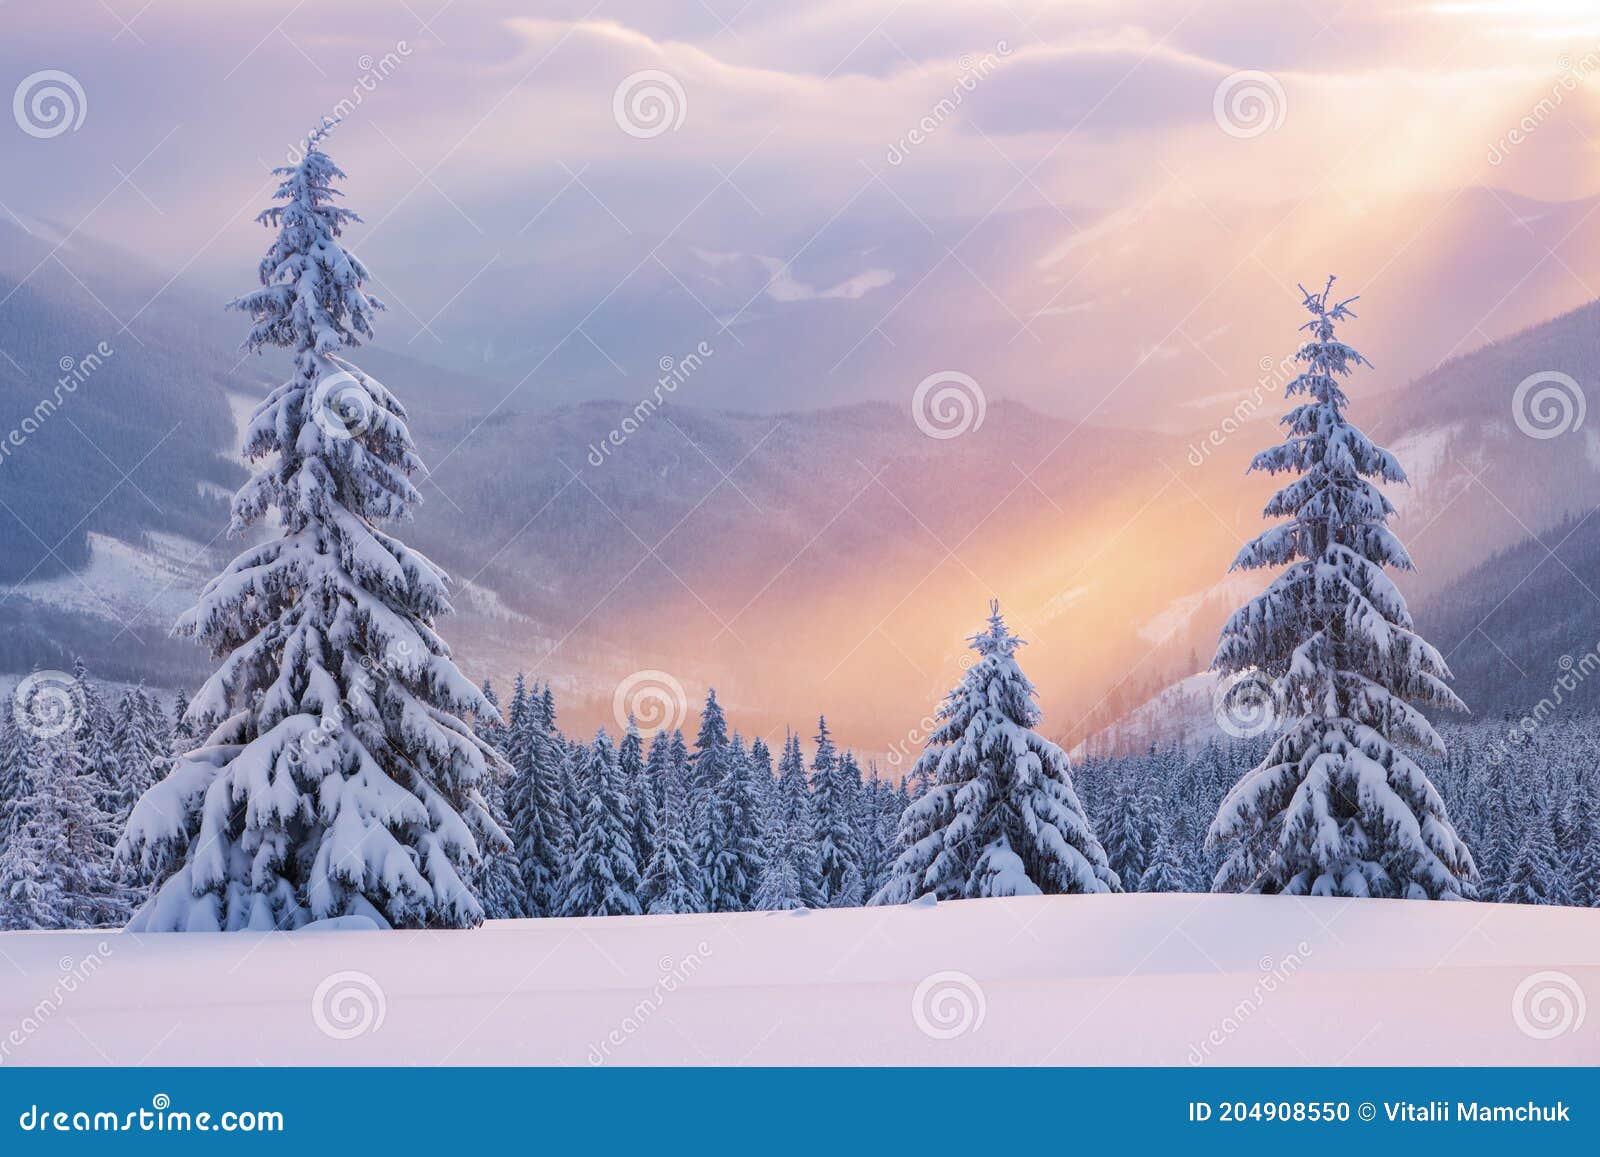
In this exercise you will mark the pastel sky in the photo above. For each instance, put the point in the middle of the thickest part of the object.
(493, 141)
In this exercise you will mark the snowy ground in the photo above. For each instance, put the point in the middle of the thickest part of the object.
(1142, 979)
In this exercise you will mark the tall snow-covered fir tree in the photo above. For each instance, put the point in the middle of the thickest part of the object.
(339, 777)
(1001, 817)
(1337, 807)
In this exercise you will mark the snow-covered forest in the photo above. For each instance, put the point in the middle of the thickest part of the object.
(654, 832)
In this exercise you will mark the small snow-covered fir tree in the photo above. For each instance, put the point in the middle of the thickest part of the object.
(1535, 874)
(94, 743)
(671, 884)
(534, 805)
(17, 769)
(637, 780)
(1128, 836)
(833, 825)
(602, 879)
(1161, 873)
(1336, 807)
(735, 869)
(141, 744)
(54, 870)
(707, 766)
(339, 777)
(789, 877)
(1001, 817)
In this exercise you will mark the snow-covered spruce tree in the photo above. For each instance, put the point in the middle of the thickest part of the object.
(1161, 873)
(17, 770)
(735, 870)
(1128, 833)
(797, 809)
(1001, 817)
(636, 779)
(707, 766)
(602, 879)
(671, 884)
(833, 825)
(140, 744)
(534, 805)
(1336, 807)
(95, 748)
(339, 777)
(1535, 875)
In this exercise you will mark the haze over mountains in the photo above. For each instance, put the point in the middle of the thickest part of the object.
(805, 555)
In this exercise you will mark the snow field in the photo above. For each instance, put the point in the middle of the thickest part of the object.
(1058, 980)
